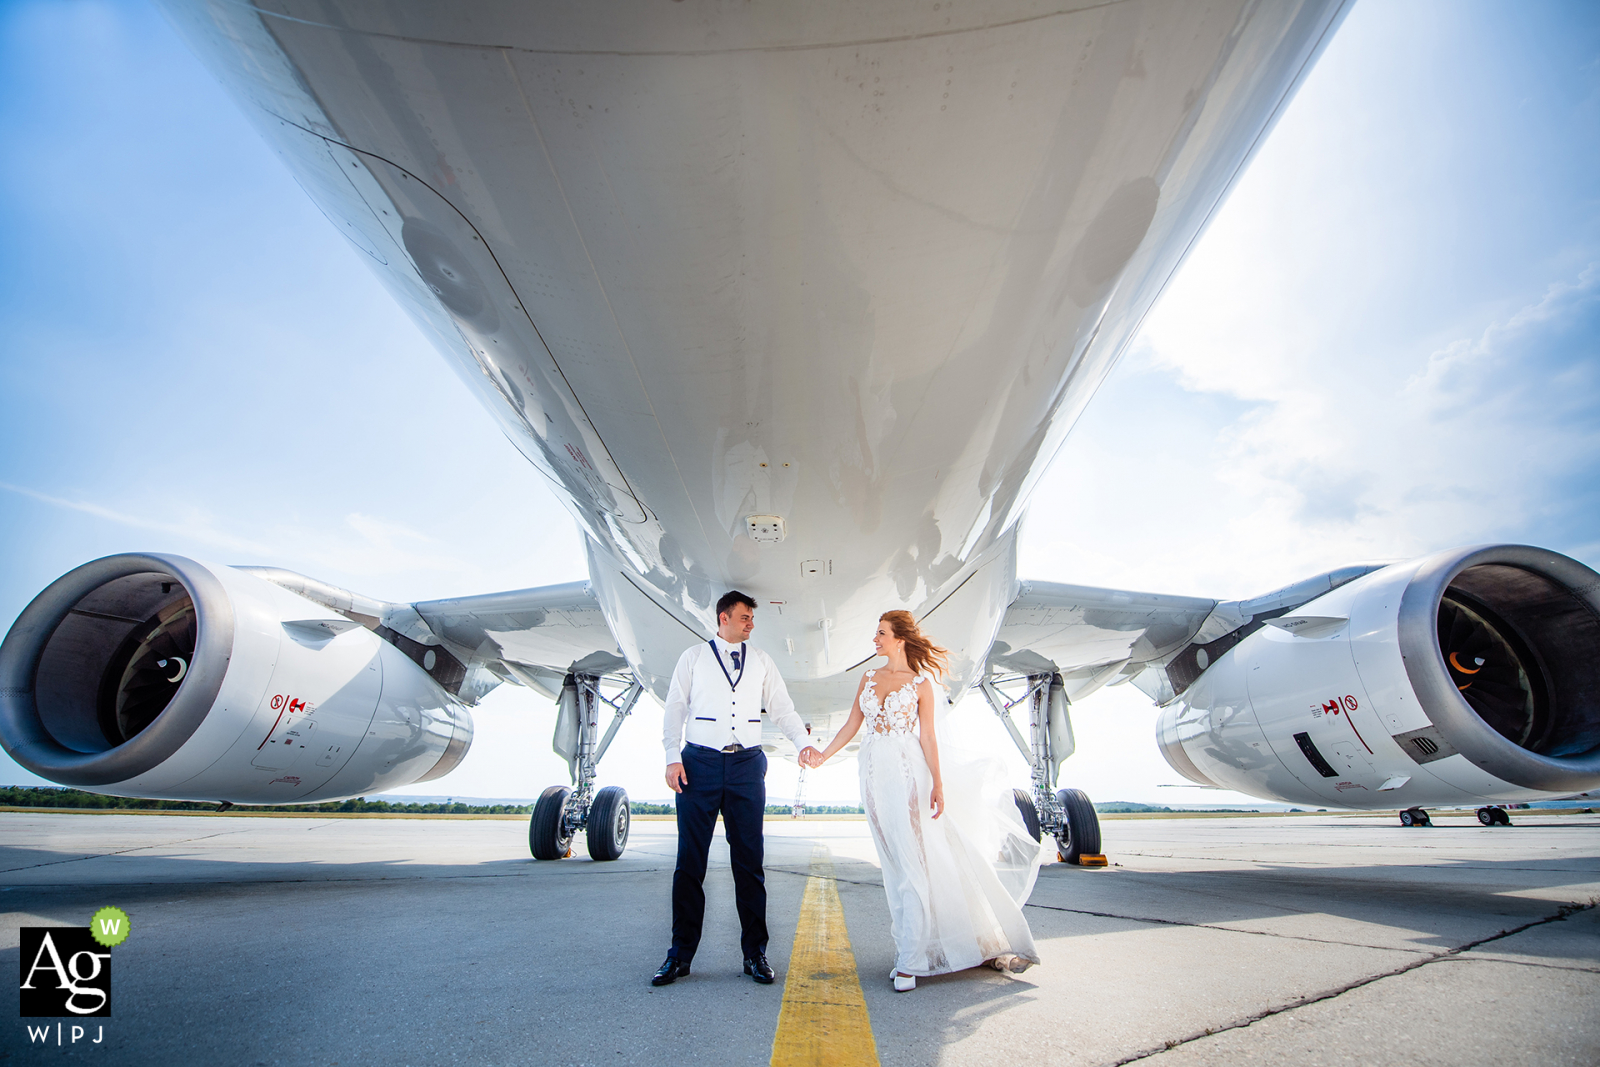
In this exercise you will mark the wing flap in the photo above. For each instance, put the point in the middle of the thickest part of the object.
(533, 637)
(556, 627)
(1082, 630)
(1096, 637)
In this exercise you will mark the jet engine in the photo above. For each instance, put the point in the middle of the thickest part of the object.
(157, 676)
(1467, 676)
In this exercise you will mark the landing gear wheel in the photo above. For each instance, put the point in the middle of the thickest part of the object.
(1405, 818)
(1082, 831)
(548, 838)
(1030, 814)
(608, 823)
(1486, 816)
(1501, 816)
(1415, 817)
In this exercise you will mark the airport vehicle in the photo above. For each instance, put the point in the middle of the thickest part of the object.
(799, 299)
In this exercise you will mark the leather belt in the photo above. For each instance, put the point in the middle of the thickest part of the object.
(733, 748)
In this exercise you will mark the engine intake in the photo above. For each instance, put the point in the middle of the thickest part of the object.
(157, 676)
(85, 694)
(1502, 646)
(1472, 673)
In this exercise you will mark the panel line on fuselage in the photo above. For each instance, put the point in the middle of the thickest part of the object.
(622, 337)
(865, 42)
(521, 303)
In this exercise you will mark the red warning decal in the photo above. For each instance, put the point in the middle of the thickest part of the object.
(281, 703)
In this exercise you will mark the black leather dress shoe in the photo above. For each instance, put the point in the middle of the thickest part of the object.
(758, 968)
(672, 970)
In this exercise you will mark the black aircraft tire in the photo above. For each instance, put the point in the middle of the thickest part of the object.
(1486, 816)
(1501, 816)
(1405, 818)
(1030, 814)
(609, 817)
(545, 835)
(1083, 826)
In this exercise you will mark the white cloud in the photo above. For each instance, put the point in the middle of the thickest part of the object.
(193, 525)
(1195, 473)
(1419, 451)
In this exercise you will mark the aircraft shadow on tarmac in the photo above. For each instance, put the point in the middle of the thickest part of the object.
(1439, 887)
(1428, 908)
(1442, 899)
(364, 946)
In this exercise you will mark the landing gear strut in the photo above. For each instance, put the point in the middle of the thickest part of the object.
(562, 811)
(1067, 814)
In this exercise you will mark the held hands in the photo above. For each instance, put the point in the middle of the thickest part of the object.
(677, 779)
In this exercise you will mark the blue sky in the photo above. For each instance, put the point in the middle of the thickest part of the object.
(1387, 343)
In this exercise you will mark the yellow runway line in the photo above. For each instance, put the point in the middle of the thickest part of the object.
(823, 1021)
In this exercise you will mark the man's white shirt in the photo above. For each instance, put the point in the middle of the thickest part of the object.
(704, 708)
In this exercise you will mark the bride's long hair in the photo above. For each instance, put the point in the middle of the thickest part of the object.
(921, 653)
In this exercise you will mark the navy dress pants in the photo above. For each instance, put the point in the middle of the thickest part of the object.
(734, 784)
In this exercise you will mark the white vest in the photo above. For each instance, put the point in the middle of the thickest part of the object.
(715, 705)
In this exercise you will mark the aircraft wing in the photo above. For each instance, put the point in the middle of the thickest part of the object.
(531, 637)
(1092, 636)
(536, 635)
(1095, 637)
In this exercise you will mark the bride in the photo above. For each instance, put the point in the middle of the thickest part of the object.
(957, 875)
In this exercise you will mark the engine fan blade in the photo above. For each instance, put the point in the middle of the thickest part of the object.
(152, 671)
(1487, 670)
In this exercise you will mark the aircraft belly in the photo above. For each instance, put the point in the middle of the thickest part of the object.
(860, 269)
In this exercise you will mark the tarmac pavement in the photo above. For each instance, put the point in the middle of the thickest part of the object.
(1323, 939)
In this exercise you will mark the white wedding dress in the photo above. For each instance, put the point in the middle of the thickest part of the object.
(956, 884)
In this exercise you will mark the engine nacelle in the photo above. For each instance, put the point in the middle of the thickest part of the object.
(156, 676)
(1467, 676)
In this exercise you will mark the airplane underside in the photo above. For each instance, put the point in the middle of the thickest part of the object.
(802, 300)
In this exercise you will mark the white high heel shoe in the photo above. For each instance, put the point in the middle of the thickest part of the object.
(904, 983)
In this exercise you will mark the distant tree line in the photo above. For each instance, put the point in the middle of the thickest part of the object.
(639, 807)
(16, 796)
(22, 796)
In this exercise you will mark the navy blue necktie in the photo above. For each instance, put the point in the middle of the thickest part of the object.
(735, 657)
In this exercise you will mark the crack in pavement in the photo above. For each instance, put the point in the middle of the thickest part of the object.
(1165, 922)
(1523, 963)
(1161, 922)
(1424, 957)
(1239, 1024)
(1312, 865)
(119, 852)
(236, 882)
(1223, 929)
(832, 878)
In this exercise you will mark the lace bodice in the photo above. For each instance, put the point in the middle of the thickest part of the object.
(898, 712)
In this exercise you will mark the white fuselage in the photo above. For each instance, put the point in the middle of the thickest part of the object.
(857, 267)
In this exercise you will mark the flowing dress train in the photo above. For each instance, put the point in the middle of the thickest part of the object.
(956, 884)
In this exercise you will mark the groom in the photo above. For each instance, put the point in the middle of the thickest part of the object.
(718, 693)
